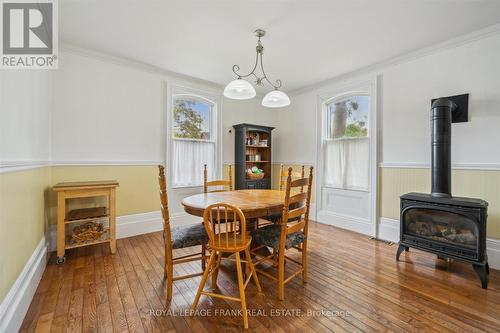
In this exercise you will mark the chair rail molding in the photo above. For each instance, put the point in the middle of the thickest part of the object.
(106, 162)
(15, 166)
(427, 165)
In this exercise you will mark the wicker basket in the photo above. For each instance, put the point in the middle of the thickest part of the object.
(89, 231)
(255, 176)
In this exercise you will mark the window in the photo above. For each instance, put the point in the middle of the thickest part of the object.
(194, 139)
(346, 143)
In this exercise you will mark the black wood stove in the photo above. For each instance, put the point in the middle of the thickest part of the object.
(451, 227)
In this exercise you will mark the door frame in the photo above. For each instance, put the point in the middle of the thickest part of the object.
(366, 86)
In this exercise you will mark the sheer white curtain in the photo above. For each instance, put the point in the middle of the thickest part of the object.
(188, 158)
(347, 163)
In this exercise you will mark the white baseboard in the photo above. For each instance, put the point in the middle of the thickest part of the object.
(493, 248)
(143, 223)
(389, 230)
(355, 224)
(17, 301)
(137, 224)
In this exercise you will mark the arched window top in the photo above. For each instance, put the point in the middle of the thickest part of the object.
(347, 116)
(192, 117)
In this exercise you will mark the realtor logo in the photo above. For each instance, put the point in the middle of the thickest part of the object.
(29, 34)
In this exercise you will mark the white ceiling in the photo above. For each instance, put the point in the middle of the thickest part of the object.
(306, 42)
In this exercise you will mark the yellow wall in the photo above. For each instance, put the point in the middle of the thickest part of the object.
(24, 197)
(481, 184)
(295, 167)
(138, 190)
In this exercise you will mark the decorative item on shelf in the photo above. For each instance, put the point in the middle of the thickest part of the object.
(255, 173)
(257, 157)
(263, 143)
(241, 89)
(89, 231)
(252, 140)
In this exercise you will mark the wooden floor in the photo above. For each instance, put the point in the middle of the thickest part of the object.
(355, 285)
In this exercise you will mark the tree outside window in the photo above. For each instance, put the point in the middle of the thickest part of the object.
(348, 117)
(191, 119)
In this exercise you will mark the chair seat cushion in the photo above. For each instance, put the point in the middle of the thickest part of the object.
(186, 236)
(270, 236)
(275, 218)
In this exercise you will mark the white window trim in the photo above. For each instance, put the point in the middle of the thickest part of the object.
(367, 86)
(216, 126)
(325, 130)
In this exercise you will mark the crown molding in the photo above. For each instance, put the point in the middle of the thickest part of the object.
(133, 63)
(415, 54)
(215, 87)
(406, 57)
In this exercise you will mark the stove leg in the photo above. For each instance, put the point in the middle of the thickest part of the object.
(482, 271)
(401, 248)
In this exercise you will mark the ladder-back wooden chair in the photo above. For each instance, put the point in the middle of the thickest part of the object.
(289, 232)
(207, 184)
(228, 237)
(177, 238)
(283, 176)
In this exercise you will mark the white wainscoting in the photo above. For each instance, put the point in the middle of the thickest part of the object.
(389, 230)
(18, 299)
(346, 209)
(356, 224)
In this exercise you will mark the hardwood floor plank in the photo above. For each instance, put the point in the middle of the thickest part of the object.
(95, 291)
(74, 318)
(103, 308)
(89, 317)
(133, 292)
(44, 323)
(64, 296)
(156, 281)
(117, 311)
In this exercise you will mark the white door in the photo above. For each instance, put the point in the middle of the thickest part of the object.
(347, 163)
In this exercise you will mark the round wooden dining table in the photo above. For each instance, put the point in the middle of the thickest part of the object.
(253, 203)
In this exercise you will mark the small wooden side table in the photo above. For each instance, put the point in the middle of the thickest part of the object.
(71, 190)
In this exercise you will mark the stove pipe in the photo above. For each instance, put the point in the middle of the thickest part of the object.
(441, 147)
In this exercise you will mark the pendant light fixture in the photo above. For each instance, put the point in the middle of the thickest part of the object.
(242, 89)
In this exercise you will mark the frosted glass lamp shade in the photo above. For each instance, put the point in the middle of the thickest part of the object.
(239, 89)
(275, 99)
